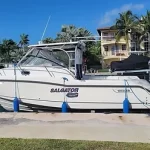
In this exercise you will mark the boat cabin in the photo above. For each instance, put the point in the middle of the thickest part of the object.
(67, 55)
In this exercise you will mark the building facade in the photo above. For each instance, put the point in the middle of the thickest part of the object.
(115, 51)
(110, 49)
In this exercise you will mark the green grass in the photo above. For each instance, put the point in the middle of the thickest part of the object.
(46, 144)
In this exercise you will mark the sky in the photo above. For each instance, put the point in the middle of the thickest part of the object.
(30, 16)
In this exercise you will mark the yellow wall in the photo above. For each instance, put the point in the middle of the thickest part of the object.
(109, 52)
(110, 41)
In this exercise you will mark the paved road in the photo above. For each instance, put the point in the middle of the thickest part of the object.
(99, 127)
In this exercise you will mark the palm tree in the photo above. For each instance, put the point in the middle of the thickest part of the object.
(7, 49)
(124, 25)
(145, 23)
(48, 40)
(68, 32)
(138, 35)
(83, 32)
(24, 40)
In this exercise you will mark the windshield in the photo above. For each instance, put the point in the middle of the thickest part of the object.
(45, 57)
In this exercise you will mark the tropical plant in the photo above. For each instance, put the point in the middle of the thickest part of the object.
(48, 40)
(70, 32)
(145, 23)
(82, 32)
(93, 54)
(66, 33)
(7, 49)
(125, 24)
(24, 40)
(18, 54)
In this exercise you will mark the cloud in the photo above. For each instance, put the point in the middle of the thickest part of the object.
(110, 15)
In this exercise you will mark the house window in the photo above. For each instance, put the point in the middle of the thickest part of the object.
(105, 34)
(106, 48)
(123, 47)
(113, 50)
(146, 46)
(134, 46)
(117, 47)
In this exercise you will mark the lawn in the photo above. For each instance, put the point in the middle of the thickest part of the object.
(47, 144)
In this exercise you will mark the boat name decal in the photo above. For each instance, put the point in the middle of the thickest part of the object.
(122, 91)
(72, 95)
(57, 90)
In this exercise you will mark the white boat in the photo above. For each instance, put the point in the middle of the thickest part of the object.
(51, 73)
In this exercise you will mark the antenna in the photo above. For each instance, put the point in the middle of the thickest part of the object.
(45, 28)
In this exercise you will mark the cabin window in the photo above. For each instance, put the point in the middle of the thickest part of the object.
(123, 47)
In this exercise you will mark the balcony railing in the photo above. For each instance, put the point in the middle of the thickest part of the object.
(116, 53)
(109, 38)
(137, 52)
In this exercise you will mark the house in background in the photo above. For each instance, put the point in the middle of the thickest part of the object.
(110, 49)
(117, 51)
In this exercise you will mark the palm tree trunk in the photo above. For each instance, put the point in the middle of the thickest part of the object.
(128, 40)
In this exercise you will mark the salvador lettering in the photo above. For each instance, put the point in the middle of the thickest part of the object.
(58, 90)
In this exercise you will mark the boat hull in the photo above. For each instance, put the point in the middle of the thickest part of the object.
(82, 95)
